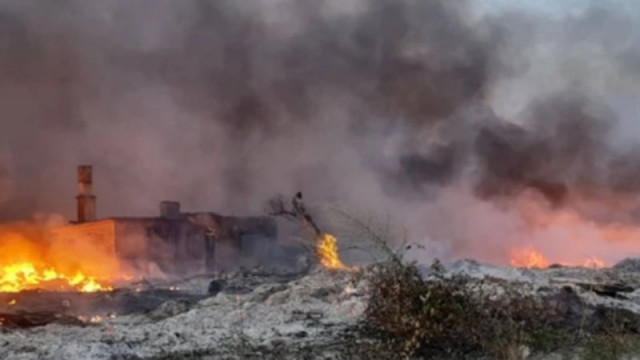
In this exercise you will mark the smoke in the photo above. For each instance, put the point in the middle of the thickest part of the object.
(440, 113)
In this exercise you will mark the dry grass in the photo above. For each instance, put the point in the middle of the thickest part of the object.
(453, 317)
(410, 316)
(459, 317)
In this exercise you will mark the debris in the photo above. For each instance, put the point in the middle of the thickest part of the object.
(215, 286)
(610, 290)
(301, 334)
(628, 264)
(23, 320)
(278, 315)
(297, 211)
(170, 308)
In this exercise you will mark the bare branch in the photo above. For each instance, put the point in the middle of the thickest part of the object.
(297, 212)
(373, 235)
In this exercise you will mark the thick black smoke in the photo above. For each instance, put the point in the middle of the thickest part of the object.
(378, 103)
(71, 71)
(562, 148)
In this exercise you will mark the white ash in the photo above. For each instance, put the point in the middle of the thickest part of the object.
(309, 311)
(551, 280)
(312, 309)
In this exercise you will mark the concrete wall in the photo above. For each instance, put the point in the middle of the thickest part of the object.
(100, 233)
(190, 244)
(174, 246)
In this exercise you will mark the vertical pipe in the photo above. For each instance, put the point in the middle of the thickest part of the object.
(86, 200)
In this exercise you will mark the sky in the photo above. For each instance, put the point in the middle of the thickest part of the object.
(554, 8)
(443, 114)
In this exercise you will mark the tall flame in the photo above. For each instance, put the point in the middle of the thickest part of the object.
(327, 250)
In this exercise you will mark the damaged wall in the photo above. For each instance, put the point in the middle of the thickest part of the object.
(189, 244)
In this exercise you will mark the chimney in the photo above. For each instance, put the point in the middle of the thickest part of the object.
(170, 210)
(86, 200)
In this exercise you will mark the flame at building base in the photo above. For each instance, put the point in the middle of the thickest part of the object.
(26, 276)
(31, 258)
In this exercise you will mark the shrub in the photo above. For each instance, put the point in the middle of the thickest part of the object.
(454, 316)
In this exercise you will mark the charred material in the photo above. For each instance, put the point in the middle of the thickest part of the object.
(181, 243)
(36, 308)
(608, 290)
(193, 242)
(297, 212)
(174, 242)
(23, 320)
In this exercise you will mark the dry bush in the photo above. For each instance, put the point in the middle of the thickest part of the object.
(441, 317)
(458, 317)
(611, 347)
(370, 233)
(453, 316)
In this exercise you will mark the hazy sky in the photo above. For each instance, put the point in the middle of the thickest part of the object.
(440, 113)
(555, 8)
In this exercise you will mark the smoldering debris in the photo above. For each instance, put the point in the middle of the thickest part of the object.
(269, 314)
(36, 308)
(157, 299)
(29, 319)
(319, 314)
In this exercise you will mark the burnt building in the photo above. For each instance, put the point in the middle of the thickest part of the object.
(173, 242)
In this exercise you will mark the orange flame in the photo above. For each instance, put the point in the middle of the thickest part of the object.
(327, 250)
(30, 258)
(593, 262)
(528, 258)
(571, 234)
(531, 258)
(25, 276)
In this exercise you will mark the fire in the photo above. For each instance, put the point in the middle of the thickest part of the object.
(327, 250)
(30, 258)
(531, 258)
(25, 276)
(528, 258)
(95, 319)
(571, 234)
(593, 262)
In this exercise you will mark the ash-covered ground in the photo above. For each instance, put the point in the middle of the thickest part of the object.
(254, 314)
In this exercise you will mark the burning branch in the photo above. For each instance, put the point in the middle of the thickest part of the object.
(325, 244)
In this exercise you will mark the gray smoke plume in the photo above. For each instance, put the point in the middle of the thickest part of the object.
(438, 112)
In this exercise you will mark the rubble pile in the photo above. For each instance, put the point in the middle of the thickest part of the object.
(252, 313)
(617, 287)
(263, 315)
